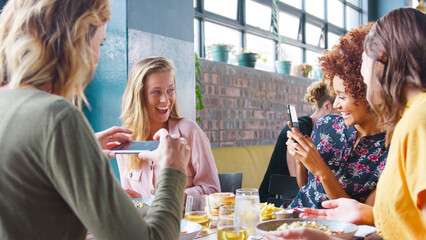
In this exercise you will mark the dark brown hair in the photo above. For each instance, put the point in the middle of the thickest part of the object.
(344, 60)
(397, 44)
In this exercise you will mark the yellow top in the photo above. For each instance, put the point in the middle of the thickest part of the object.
(421, 6)
(397, 213)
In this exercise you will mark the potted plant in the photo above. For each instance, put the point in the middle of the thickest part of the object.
(220, 52)
(303, 70)
(282, 65)
(248, 59)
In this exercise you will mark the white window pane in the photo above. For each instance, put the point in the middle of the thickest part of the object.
(195, 3)
(355, 2)
(333, 39)
(226, 8)
(289, 25)
(294, 3)
(315, 7)
(312, 57)
(335, 12)
(196, 36)
(415, 3)
(258, 15)
(352, 18)
(217, 34)
(293, 54)
(313, 35)
(266, 48)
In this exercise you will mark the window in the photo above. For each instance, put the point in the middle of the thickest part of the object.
(335, 12)
(196, 35)
(215, 33)
(315, 7)
(289, 25)
(352, 18)
(354, 2)
(312, 58)
(314, 35)
(266, 49)
(304, 27)
(216, 6)
(258, 15)
(293, 3)
(293, 54)
(333, 39)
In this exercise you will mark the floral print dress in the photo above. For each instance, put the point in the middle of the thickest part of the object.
(357, 169)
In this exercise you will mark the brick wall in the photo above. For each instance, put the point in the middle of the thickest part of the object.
(245, 106)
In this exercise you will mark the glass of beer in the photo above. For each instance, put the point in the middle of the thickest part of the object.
(197, 209)
(247, 209)
(227, 229)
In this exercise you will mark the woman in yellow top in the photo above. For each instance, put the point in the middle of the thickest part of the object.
(394, 69)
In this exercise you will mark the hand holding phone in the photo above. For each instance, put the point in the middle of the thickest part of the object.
(135, 147)
(292, 115)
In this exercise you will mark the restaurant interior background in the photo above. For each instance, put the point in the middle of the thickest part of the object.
(242, 106)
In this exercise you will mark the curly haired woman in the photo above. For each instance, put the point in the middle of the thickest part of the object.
(347, 152)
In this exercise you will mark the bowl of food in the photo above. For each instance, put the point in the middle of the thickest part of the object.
(337, 229)
(142, 205)
(189, 230)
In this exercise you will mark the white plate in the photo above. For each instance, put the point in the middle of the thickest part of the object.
(192, 230)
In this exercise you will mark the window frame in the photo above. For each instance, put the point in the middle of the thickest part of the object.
(240, 25)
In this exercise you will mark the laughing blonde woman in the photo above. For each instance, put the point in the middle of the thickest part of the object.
(149, 103)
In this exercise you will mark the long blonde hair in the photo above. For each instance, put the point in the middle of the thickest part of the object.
(134, 114)
(48, 41)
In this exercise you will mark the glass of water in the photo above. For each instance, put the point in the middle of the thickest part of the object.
(247, 209)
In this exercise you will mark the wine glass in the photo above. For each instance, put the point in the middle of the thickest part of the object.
(247, 209)
(227, 229)
(197, 209)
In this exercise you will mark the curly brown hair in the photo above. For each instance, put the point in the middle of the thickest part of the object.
(344, 60)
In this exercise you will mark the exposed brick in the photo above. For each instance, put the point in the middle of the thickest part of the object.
(259, 115)
(244, 106)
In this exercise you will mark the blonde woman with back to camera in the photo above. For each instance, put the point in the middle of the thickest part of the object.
(149, 103)
(55, 181)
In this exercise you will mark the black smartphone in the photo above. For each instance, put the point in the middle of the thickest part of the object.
(135, 147)
(292, 115)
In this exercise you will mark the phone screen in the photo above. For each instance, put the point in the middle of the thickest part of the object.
(291, 110)
(135, 147)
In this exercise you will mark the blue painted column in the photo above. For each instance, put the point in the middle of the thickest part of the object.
(107, 87)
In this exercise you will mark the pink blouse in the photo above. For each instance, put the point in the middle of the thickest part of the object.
(201, 170)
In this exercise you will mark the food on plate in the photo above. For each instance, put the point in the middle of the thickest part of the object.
(220, 199)
(140, 204)
(308, 224)
(267, 211)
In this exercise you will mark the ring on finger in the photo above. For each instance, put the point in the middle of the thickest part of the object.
(183, 140)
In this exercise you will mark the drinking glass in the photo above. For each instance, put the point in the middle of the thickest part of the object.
(247, 209)
(227, 229)
(197, 209)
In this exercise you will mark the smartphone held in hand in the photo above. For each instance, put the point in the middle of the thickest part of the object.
(292, 115)
(135, 147)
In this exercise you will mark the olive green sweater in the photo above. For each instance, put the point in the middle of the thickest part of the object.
(56, 183)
